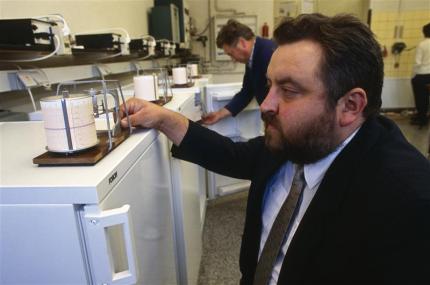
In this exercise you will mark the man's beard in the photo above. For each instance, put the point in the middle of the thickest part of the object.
(305, 142)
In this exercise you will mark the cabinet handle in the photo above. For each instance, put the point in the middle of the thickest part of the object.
(401, 32)
(96, 223)
(396, 29)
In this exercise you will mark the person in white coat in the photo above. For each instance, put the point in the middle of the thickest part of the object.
(421, 80)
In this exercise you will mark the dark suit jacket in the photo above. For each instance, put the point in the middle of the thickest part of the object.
(254, 81)
(369, 221)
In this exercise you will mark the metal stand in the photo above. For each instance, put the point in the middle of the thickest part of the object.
(111, 88)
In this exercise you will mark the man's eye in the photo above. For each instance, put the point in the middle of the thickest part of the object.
(289, 91)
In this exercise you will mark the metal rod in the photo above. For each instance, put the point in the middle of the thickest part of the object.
(107, 114)
(66, 124)
(125, 107)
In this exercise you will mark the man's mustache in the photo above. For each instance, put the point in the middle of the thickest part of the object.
(269, 118)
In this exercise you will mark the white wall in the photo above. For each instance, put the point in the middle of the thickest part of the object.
(85, 15)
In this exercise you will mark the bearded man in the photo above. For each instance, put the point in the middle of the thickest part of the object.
(338, 195)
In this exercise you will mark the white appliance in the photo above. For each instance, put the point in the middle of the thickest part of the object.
(77, 225)
(397, 93)
(189, 198)
(112, 223)
(189, 191)
(193, 110)
(246, 125)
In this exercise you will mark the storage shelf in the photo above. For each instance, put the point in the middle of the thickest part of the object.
(80, 58)
(72, 67)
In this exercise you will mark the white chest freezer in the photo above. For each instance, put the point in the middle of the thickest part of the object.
(189, 199)
(121, 221)
(105, 224)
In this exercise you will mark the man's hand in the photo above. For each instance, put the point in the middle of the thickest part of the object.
(148, 115)
(213, 117)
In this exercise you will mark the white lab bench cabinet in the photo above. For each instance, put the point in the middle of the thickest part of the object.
(244, 126)
(116, 222)
(189, 196)
(105, 224)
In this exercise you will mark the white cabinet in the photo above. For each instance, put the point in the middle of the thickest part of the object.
(38, 242)
(105, 224)
(244, 126)
(146, 188)
(189, 195)
(121, 221)
(189, 201)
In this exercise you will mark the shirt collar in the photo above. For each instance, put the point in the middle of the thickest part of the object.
(252, 54)
(314, 172)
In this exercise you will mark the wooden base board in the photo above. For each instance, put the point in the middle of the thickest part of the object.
(85, 157)
(161, 101)
(188, 85)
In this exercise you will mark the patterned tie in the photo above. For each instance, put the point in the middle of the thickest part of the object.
(279, 228)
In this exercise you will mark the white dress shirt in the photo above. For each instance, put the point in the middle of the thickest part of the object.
(278, 190)
(251, 57)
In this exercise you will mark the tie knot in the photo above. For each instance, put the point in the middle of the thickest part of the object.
(300, 173)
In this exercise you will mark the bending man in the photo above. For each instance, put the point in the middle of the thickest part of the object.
(239, 42)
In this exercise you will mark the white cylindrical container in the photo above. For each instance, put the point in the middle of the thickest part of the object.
(146, 87)
(69, 123)
(193, 69)
(179, 75)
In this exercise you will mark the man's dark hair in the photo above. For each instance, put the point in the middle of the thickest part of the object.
(231, 32)
(426, 30)
(351, 57)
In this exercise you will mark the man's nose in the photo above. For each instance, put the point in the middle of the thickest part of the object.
(270, 103)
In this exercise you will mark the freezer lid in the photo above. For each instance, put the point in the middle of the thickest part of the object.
(24, 182)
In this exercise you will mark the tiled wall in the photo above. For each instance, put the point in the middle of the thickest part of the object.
(384, 24)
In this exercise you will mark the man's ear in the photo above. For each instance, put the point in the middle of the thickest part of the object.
(350, 107)
(241, 43)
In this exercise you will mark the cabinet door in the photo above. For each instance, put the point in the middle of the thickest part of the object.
(189, 204)
(216, 97)
(146, 187)
(247, 124)
(41, 244)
